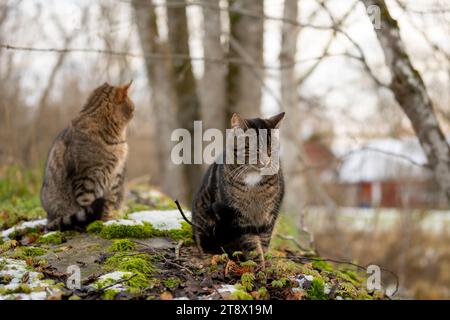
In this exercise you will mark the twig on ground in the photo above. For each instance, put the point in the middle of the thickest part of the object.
(296, 242)
(177, 249)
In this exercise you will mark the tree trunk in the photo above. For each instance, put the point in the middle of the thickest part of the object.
(244, 88)
(290, 130)
(185, 87)
(411, 94)
(213, 86)
(164, 99)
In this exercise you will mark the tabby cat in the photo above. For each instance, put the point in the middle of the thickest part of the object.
(236, 207)
(84, 173)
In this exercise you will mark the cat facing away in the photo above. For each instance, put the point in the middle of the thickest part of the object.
(236, 206)
(84, 173)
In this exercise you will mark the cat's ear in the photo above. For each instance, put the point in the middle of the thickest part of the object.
(238, 122)
(122, 91)
(275, 120)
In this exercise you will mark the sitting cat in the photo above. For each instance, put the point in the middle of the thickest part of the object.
(84, 173)
(236, 207)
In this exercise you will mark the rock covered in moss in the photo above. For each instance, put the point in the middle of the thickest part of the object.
(161, 219)
(20, 281)
(23, 228)
(54, 237)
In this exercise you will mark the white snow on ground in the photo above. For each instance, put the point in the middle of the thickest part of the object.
(14, 270)
(28, 224)
(109, 278)
(161, 219)
(124, 222)
(227, 288)
(301, 279)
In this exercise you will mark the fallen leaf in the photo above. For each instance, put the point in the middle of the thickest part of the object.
(166, 296)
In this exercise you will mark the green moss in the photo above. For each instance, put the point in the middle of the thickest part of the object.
(19, 195)
(349, 291)
(261, 276)
(55, 237)
(110, 294)
(350, 276)
(95, 227)
(122, 245)
(185, 233)
(237, 254)
(139, 281)
(280, 283)
(25, 252)
(139, 264)
(247, 281)
(322, 265)
(240, 295)
(282, 268)
(171, 283)
(262, 293)
(316, 290)
(248, 264)
(8, 245)
(307, 270)
(144, 230)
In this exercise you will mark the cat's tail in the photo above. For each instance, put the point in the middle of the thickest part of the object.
(79, 219)
(186, 219)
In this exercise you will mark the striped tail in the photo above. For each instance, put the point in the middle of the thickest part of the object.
(78, 219)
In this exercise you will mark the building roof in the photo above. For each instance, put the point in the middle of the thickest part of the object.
(382, 160)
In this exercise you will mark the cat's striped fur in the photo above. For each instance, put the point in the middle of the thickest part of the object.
(85, 169)
(236, 208)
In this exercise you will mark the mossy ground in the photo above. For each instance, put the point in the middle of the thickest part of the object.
(154, 272)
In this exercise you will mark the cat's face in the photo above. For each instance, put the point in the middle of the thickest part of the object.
(254, 140)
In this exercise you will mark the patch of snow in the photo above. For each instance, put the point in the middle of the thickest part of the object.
(227, 288)
(309, 277)
(181, 298)
(14, 270)
(40, 295)
(25, 225)
(326, 288)
(123, 222)
(109, 278)
(160, 219)
(302, 280)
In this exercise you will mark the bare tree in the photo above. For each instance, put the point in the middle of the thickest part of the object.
(244, 87)
(185, 87)
(164, 98)
(411, 94)
(213, 85)
(290, 100)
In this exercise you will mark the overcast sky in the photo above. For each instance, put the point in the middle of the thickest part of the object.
(351, 90)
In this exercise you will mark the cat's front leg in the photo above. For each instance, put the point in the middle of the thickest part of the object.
(252, 248)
